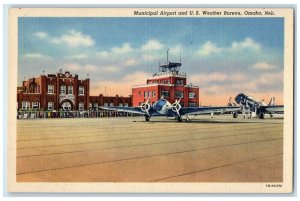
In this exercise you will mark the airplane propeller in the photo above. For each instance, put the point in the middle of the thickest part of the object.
(176, 107)
(145, 107)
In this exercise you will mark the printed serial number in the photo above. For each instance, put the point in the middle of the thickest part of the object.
(273, 185)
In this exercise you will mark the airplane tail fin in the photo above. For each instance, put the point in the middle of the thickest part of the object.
(230, 103)
(272, 101)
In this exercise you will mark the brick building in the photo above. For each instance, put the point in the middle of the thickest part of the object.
(170, 83)
(63, 91)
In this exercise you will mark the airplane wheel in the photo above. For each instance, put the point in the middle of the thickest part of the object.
(271, 115)
(147, 118)
(179, 119)
(235, 115)
(261, 115)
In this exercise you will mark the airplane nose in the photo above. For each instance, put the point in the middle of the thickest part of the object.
(238, 98)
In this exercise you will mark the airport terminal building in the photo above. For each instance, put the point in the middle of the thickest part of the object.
(63, 91)
(170, 83)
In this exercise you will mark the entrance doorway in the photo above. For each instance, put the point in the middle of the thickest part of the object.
(66, 106)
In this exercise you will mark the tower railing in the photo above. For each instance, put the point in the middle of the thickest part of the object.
(169, 73)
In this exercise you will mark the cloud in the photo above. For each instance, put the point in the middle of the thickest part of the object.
(125, 48)
(35, 56)
(78, 56)
(152, 44)
(220, 83)
(207, 78)
(41, 35)
(263, 66)
(91, 68)
(74, 39)
(208, 48)
(130, 62)
(214, 89)
(247, 43)
(176, 49)
(102, 53)
(74, 67)
(269, 78)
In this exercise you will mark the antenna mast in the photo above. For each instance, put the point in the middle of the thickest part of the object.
(168, 56)
(180, 57)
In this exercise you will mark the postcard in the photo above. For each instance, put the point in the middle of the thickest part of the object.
(171, 100)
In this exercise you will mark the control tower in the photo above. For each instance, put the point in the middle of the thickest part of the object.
(168, 82)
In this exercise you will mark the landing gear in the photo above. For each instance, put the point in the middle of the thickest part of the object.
(188, 119)
(179, 119)
(261, 115)
(147, 118)
(271, 115)
(235, 115)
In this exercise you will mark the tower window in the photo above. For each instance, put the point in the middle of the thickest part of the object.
(178, 94)
(165, 93)
(192, 95)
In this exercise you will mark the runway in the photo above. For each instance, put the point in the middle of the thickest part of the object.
(221, 149)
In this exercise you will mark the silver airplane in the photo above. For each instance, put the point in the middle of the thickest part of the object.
(251, 104)
(162, 107)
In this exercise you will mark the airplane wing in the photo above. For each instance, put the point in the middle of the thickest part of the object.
(134, 110)
(207, 110)
(273, 109)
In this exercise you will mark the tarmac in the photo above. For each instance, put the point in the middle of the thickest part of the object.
(128, 149)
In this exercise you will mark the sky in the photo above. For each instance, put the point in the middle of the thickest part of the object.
(223, 56)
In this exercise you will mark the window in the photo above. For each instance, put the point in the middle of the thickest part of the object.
(50, 89)
(149, 93)
(105, 104)
(111, 104)
(178, 94)
(90, 106)
(96, 106)
(145, 94)
(63, 89)
(192, 104)
(121, 104)
(35, 105)
(165, 93)
(126, 104)
(140, 93)
(70, 89)
(192, 95)
(81, 90)
(25, 105)
(179, 82)
(50, 105)
(81, 106)
(153, 93)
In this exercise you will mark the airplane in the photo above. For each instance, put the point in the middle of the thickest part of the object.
(251, 104)
(162, 107)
